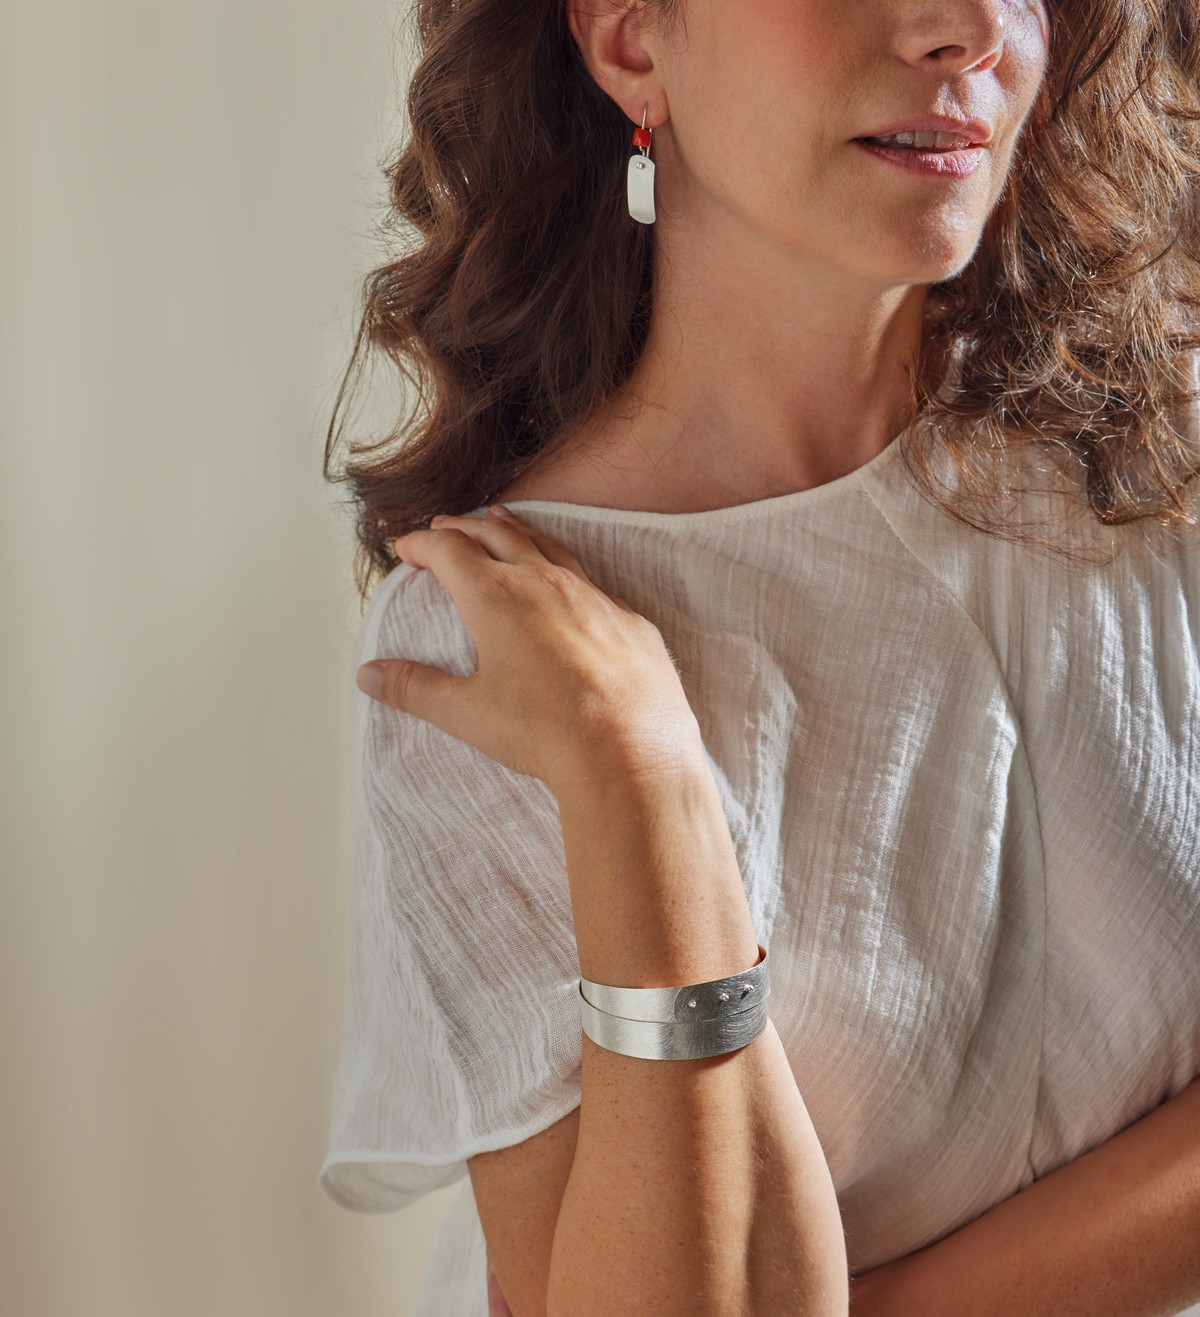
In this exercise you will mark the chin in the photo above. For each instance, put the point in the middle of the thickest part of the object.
(926, 259)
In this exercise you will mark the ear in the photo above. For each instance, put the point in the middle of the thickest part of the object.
(623, 51)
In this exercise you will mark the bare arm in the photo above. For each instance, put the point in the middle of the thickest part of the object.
(697, 1185)
(1115, 1233)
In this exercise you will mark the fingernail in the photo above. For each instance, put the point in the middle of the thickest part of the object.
(500, 510)
(370, 679)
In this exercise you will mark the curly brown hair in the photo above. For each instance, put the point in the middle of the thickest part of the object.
(1072, 328)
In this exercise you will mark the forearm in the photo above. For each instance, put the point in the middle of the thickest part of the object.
(697, 1185)
(1115, 1233)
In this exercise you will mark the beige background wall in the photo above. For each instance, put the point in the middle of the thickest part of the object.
(187, 203)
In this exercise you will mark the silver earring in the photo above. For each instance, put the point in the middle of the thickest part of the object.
(639, 177)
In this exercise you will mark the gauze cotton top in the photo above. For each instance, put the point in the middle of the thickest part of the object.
(962, 778)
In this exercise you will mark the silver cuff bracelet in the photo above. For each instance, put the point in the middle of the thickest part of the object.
(678, 1024)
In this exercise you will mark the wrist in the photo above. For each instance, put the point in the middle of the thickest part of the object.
(656, 891)
(617, 758)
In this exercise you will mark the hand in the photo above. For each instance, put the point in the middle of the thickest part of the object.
(566, 672)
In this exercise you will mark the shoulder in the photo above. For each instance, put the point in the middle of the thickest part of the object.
(409, 765)
(411, 614)
(401, 760)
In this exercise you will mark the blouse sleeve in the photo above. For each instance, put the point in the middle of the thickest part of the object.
(462, 1028)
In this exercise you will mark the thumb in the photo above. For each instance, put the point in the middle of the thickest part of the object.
(410, 686)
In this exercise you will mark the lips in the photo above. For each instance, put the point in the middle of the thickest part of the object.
(925, 141)
(979, 131)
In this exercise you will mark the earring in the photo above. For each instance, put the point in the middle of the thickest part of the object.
(639, 177)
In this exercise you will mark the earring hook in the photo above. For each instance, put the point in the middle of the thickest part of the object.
(645, 142)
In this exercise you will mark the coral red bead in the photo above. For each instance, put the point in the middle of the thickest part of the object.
(641, 137)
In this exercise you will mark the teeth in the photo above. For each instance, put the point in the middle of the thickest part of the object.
(925, 141)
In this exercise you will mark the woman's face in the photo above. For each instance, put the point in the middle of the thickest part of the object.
(766, 97)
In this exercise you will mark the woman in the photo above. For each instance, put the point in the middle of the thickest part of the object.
(740, 670)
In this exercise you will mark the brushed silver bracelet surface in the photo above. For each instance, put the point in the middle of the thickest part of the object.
(678, 1023)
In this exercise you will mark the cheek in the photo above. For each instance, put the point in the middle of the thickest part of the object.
(756, 68)
(768, 93)
(1027, 51)
(742, 144)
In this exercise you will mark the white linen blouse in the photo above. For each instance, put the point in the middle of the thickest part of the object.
(962, 778)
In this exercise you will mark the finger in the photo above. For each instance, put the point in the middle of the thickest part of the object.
(507, 539)
(464, 543)
(414, 548)
(553, 550)
(558, 553)
(460, 560)
(440, 698)
(504, 540)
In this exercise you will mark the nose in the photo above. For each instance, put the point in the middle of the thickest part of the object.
(956, 38)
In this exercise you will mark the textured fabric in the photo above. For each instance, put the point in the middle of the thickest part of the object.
(962, 779)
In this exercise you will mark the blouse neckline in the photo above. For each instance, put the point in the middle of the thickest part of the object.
(757, 509)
